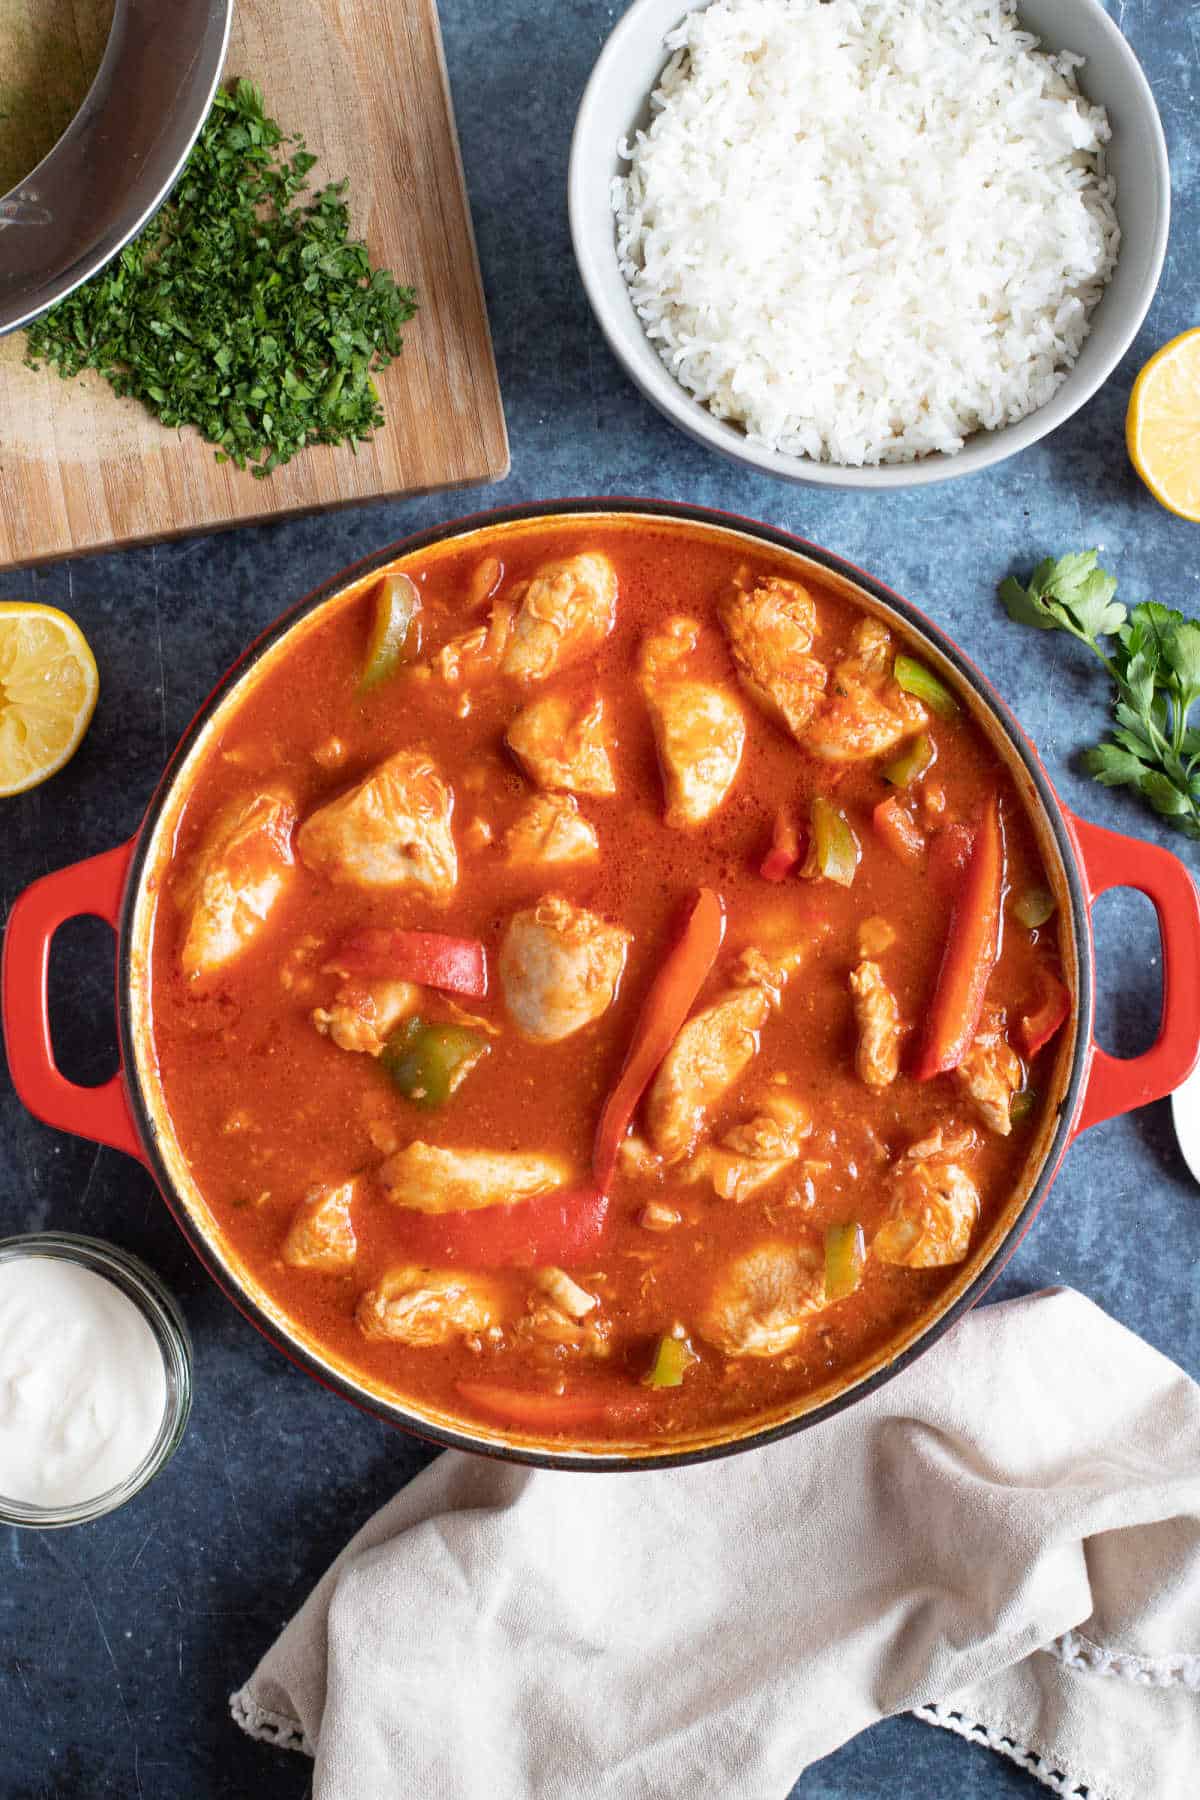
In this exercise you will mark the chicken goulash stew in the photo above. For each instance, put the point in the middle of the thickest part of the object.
(603, 985)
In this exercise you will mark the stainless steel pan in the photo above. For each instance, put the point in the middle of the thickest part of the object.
(114, 165)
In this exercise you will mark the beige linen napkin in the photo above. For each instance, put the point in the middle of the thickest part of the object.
(1006, 1539)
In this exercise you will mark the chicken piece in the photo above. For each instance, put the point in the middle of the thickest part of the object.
(636, 1158)
(459, 1015)
(770, 631)
(431, 1179)
(712, 1050)
(391, 831)
(242, 868)
(940, 1146)
(700, 734)
(991, 1073)
(566, 1294)
(475, 653)
(877, 1016)
(424, 1307)
(365, 1013)
(760, 1305)
(562, 745)
(548, 1325)
(698, 727)
(560, 967)
(564, 1316)
(549, 831)
(566, 612)
(757, 1152)
(655, 1216)
(875, 936)
(321, 1235)
(935, 1205)
(933, 803)
(486, 577)
(865, 712)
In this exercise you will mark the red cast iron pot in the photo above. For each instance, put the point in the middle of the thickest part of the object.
(1084, 862)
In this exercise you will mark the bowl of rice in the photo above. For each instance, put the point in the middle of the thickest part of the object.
(869, 243)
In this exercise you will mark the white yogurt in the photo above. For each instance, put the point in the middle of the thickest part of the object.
(83, 1385)
(1185, 1110)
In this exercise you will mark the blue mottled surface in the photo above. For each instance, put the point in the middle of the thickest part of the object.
(120, 1642)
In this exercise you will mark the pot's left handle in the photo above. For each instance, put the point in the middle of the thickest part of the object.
(94, 887)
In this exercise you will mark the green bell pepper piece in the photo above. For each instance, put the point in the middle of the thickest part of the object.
(912, 762)
(1023, 1106)
(428, 1062)
(1034, 907)
(395, 630)
(916, 679)
(672, 1359)
(834, 851)
(845, 1254)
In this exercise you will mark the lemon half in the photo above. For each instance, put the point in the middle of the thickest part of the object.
(1162, 427)
(48, 691)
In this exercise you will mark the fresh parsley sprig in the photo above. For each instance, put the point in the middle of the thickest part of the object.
(1153, 657)
(244, 308)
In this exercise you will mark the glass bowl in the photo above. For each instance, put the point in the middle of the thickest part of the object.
(161, 1313)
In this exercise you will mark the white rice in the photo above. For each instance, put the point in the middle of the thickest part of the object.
(864, 229)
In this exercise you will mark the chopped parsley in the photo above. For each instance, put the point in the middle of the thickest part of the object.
(243, 308)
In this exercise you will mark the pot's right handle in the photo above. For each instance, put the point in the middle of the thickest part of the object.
(93, 887)
(1117, 1084)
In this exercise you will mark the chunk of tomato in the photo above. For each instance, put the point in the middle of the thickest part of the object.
(784, 854)
(897, 828)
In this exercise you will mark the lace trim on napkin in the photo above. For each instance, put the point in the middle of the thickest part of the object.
(269, 1727)
(1074, 1651)
(1037, 1766)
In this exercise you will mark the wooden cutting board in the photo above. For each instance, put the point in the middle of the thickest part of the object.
(365, 82)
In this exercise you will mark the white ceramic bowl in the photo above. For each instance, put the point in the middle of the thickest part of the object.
(617, 101)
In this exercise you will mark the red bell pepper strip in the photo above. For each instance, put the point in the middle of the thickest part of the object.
(897, 828)
(456, 965)
(972, 947)
(784, 854)
(664, 1010)
(546, 1413)
(562, 1227)
(1039, 1026)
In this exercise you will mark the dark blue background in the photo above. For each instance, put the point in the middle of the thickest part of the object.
(119, 1643)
